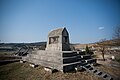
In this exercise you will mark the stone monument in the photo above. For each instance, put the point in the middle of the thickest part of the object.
(58, 40)
(58, 54)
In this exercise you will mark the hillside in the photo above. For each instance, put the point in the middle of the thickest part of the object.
(111, 43)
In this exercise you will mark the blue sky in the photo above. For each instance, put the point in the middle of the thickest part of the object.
(87, 21)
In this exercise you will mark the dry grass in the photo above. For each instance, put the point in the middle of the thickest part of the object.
(111, 67)
(6, 53)
(17, 71)
(113, 71)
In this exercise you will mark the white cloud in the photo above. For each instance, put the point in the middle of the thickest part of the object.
(100, 28)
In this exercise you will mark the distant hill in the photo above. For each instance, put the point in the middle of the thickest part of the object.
(77, 46)
(22, 44)
(112, 42)
(106, 42)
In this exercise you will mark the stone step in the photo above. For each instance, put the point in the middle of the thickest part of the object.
(69, 54)
(90, 68)
(50, 70)
(54, 65)
(94, 71)
(99, 73)
(90, 61)
(74, 63)
(64, 60)
(87, 66)
(104, 75)
(70, 66)
(71, 59)
(85, 56)
(33, 65)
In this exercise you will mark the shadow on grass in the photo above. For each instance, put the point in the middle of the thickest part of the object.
(7, 62)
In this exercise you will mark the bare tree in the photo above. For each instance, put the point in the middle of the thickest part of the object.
(102, 47)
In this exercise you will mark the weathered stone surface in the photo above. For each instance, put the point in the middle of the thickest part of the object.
(58, 40)
(53, 61)
(90, 61)
(71, 59)
(57, 54)
(69, 53)
(48, 69)
(85, 56)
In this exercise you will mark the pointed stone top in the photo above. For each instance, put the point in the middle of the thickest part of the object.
(56, 32)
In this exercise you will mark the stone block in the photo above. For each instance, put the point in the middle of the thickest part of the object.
(86, 56)
(90, 61)
(71, 59)
(48, 69)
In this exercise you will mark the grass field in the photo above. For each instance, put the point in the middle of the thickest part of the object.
(18, 71)
(22, 71)
(114, 72)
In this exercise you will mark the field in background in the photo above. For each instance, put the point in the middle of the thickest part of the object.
(19, 71)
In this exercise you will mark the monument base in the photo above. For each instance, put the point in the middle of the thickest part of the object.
(61, 60)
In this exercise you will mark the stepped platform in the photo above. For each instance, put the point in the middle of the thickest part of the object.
(60, 60)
